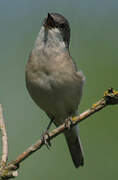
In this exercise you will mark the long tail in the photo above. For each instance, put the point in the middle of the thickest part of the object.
(75, 147)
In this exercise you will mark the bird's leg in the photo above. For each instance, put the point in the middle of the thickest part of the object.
(68, 122)
(49, 125)
(43, 137)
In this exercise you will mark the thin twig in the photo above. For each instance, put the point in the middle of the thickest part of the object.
(4, 139)
(110, 98)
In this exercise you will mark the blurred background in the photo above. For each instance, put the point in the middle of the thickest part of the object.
(94, 46)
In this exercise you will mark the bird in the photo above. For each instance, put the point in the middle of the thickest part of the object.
(54, 81)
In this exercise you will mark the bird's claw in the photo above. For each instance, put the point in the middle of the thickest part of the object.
(68, 122)
(46, 139)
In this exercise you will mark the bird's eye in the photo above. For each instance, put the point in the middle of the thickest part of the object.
(62, 26)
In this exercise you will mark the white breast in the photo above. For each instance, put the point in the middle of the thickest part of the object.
(50, 39)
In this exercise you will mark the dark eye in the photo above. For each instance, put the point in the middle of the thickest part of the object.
(62, 26)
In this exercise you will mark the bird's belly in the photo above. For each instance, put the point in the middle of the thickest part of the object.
(58, 100)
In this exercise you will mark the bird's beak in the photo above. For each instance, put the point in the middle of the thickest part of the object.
(49, 22)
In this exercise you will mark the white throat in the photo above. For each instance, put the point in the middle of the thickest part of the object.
(50, 39)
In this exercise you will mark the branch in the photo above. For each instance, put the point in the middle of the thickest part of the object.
(110, 98)
(4, 139)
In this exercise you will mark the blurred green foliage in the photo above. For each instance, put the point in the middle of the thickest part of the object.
(94, 46)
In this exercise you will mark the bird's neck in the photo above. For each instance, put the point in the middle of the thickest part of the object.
(50, 40)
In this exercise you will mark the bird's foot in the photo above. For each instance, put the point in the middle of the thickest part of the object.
(46, 139)
(68, 122)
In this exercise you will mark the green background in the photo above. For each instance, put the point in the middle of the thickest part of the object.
(94, 46)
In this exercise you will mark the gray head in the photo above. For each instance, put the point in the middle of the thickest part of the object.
(54, 20)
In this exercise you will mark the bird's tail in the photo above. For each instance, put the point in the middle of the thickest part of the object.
(75, 147)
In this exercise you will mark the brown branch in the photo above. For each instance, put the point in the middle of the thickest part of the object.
(4, 172)
(110, 98)
(4, 139)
